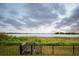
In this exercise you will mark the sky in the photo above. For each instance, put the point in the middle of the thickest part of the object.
(39, 17)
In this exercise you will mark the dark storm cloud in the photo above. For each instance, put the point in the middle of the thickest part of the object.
(14, 23)
(13, 12)
(68, 21)
(41, 12)
(1, 18)
(2, 5)
(2, 25)
(75, 28)
(59, 8)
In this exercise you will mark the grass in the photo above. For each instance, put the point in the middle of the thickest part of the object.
(59, 51)
(50, 40)
(8, 44)
(13, 50)
(43, 40)
(7, 39)
(9, 50)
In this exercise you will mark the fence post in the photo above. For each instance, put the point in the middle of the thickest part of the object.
(73, 48)
(20, 49)
(53, 50)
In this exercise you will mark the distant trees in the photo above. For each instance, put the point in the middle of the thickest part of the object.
(59, 33)
(66, 33)
(4, 36)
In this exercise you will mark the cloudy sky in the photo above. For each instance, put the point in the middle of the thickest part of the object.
(39, 17)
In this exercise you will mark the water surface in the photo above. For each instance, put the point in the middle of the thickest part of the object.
(46, 35)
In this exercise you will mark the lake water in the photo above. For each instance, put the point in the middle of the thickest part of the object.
(46, 35)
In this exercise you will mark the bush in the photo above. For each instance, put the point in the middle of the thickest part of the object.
(3, 36)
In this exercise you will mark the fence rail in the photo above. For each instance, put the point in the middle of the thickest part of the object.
(46, 49)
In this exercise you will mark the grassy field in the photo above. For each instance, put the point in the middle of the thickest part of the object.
(11, 48)
(7, 39)
(42, 40)
(49, 40)
(9, 45)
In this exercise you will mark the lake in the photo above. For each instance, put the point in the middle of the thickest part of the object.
(45, 35)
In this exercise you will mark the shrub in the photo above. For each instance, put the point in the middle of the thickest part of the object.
(3, 36)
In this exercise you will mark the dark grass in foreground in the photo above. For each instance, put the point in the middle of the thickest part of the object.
(13, 50)
(9, 50)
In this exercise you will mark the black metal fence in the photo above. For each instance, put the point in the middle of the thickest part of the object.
(47, 49)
